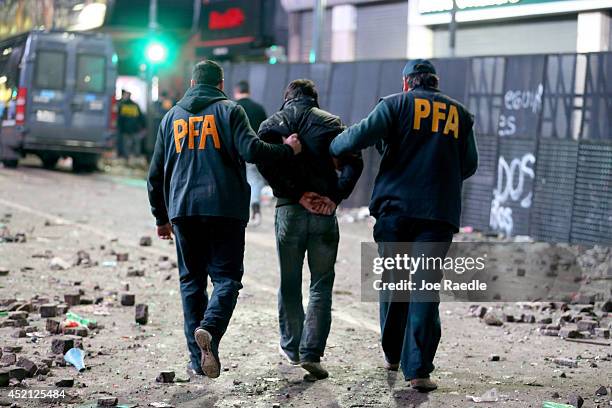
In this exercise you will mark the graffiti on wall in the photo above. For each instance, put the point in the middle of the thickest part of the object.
(513, 189)
(517, 100)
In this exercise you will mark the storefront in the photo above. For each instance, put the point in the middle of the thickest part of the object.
(368, 29)
(506, 27)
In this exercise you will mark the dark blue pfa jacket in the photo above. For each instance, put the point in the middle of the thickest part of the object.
(198, 166)
(428, 149)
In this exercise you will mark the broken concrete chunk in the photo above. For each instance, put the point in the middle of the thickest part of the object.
(61, 345)
(48, 310)
(602, 390)
(53, 326)
(132, 272)
(72, 299)
(58, 264)
(569, 333)
(165, 377)
(494, 357)
(65, 382)
(8, 359)
(29, 366)
(18, 373)
(108, 401)
(575, 400)
(17, 315)
(603, 333)
(122, 257)
(4, 271)
(146, 241)
(4, 378)
(491, 319)
(128, 299)
(142, 313)
(566, 362)
(587, 325)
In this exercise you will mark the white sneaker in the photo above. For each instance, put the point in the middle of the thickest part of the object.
(286, 357)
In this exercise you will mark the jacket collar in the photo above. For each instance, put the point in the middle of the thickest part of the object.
(306, 101)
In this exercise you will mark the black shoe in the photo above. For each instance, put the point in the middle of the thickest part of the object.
(210, 362)
(315, 369)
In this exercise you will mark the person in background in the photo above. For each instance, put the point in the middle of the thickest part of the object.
(256, 114)
(308, 189)
(428, 149)
(130, 125)
(198, 191)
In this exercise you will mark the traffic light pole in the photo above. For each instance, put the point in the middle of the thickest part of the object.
(150, 132)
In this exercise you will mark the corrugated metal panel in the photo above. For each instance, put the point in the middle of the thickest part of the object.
(276, 82)
(453, 76)
(592, 215)
(478, 189)
(485, 92)
(306, 36)
(554, 190)
(364, 97)
(341, 89)
(597, 122)
(526, 37)
(382, 31)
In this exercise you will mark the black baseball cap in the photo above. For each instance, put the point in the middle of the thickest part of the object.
(418, 66)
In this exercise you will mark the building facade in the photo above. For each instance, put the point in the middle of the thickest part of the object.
(370, 29)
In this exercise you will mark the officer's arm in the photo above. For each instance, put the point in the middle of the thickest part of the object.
(351, 166)
(470, 158)
(155, 182)
(365, 133)
(250, 147)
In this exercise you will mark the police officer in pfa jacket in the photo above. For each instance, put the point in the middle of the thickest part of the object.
(198, 190)
(308, 189)
(428, 148)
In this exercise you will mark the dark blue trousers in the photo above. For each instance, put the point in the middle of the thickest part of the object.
(208, 247)
(300, 233)
(410, 331)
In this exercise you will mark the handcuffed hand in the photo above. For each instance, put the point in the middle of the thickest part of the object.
(164, 231)
(293, 142)
(317, 204)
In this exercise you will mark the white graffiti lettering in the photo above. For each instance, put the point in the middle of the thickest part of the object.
(510, 188)
(521, 99)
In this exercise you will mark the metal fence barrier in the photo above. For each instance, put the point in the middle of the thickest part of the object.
(543, 132)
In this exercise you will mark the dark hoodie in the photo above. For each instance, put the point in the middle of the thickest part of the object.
(191, 176)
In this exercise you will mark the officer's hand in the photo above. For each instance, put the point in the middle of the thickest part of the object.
(294, 142)
(164, 231)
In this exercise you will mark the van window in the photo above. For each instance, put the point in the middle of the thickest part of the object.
(91, 73)
(50, 70)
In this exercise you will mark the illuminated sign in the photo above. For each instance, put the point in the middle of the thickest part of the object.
(232, 22)
(232, 18)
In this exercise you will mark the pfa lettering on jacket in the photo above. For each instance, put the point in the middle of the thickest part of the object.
(441, 114)
(197, 126)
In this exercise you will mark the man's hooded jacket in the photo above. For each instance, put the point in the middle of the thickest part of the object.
(198, 166)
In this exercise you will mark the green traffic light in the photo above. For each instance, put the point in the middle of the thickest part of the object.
(156, 52)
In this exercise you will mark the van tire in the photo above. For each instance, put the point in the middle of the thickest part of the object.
(85, 163)
(10, 163)
(49, 161)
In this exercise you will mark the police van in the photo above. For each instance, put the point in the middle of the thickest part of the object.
(57, 97)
